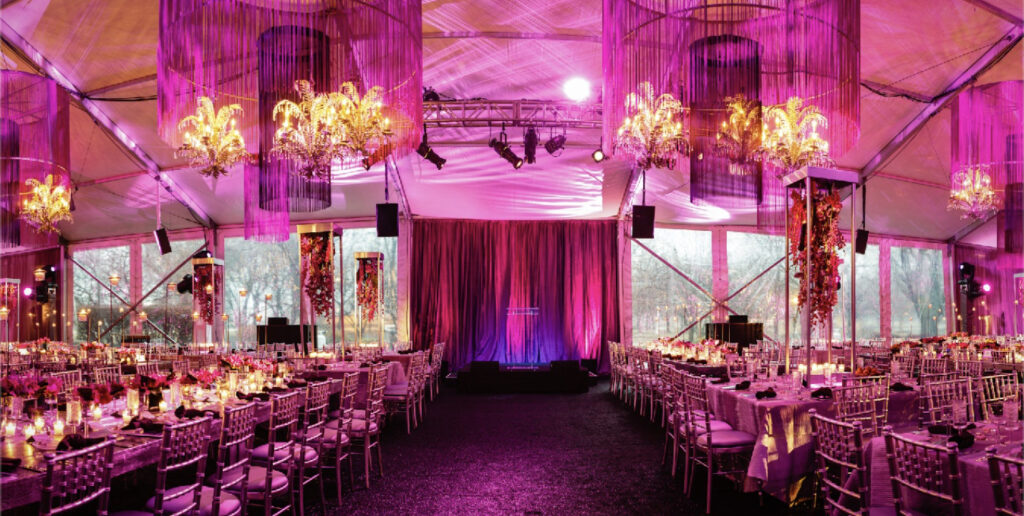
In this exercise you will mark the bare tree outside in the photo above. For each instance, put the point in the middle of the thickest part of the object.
(102, 309)
(663, 302)
(918, 302)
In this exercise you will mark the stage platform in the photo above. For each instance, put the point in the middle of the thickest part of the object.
(564, 376)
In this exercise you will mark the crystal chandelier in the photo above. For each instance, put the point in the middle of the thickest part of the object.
(652, 133)
(364, 128)
(791, 139)
(211, 139)
(313, 140)
(739, 138)
(972, 192)
(49, 204)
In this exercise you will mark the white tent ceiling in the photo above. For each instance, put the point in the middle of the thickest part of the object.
(510, 49)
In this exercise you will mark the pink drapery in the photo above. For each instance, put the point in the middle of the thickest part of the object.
(994, 312)
(515, 291)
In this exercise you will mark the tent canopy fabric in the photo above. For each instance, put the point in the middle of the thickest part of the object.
(912, 53)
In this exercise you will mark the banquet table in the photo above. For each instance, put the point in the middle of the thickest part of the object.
(783, 452)
(401, 358)
(699, 369)
(396, 373)
(131, 452)
(976, 482)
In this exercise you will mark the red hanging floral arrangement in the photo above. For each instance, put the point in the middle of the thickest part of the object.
(366, 287)
(824, 245)
(318, 271)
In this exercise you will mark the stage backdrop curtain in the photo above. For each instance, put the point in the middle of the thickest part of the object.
(518, 292)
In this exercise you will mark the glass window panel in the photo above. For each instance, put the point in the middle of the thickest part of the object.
(260, 268)
(868, 300)
(663, 302)
(365, 240)
(170, 311)
(918, 298)
(102, 307)
(762, 301)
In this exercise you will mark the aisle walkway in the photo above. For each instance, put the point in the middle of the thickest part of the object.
(529, 454)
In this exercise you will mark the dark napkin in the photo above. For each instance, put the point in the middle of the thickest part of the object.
(963, 440)
(364, 364)
(945, 429)
(9, 464)
(264, 396)
(321, 367)
(823, 393)
(721, 380)
(296, 383)
(900, 387)
(696, 361)
(148, 426)
(77, 442)
(316, 378)
(183, 413)
(767, 393)
(742, 386)
(277, 389)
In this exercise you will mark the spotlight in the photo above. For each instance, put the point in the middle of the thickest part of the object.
(577, 89)
(27, 291)
(429, 95)
(428, 153)
(555, 144)
(986, 288)
(500, 146)
(598, 155)
(530, 141)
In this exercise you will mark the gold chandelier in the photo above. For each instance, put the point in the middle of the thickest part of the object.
(211, 139)
(972, 192)
(791, 139)
(49, 204)
(739, 138)
(652, 133)
(323, 127)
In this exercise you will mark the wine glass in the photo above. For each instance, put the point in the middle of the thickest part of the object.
(1011, 411)
(959, 412)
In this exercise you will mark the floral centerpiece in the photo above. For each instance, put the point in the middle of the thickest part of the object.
(203, 378)
(366, 288)
(100, 393)
(92, 346)
(824, 245)
(233, 361)
(866, 371)
(318, 271)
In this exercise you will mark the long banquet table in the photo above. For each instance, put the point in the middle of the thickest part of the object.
(784, 450)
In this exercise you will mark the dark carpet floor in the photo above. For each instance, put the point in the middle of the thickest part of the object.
(533, 454)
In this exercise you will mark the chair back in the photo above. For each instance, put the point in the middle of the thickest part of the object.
(1007, 474)
(927, 469)
(233, 453)
(993, 389)
(107, 374)
(839, 450)
(934, 365)
(969, 368)
(867, 403)
(180, 367)
(377, 382)
(69, 380)
(315, 416)
(903, 366)
(938, 398)
(76, 478)
(284, 419)
(183, 446)
(147, 368)
(349, 388)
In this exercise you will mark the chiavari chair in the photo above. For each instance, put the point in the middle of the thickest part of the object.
(51, 366)
(183, 448)
(903, 366)
(336, 433)
(655, 361)
(993, 389)
(850, 381)
(179, 367)
(866, 403)
(420, 385)
(1007, 474)
(365, 431)
(233, 474)
(281, 433)
(969, 368)
(147, 369)
(926, 469)
(310, 442)
(710, 449)
(107, 374)
(934, 366)
(841, 471)
(69, 380)
(77, 478)
(434, 377)
(401, 397)
(938, 398)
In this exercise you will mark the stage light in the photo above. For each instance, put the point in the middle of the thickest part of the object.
(986, 287)
(27, 291)
(555, 144)
(428, 153)
(39, 274)
(598, 155)
(577, 89)
(500, 146)
(530, 142)
(429, 95)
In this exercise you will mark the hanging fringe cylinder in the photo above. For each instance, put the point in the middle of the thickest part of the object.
(212, 49)
(809, 49)
(35, 143)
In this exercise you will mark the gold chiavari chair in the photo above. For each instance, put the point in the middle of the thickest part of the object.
(147, 369)
(867, 404)
(310, 442)
(107, 374)
(840, 454)
(969, 368)
(1007, 475)
(938, 398)
(928, 470)
(365, 431)
(75, 479)
(336, 435)
(277, 468)
(993, 389)
(436, 360)
(231, 478)
(401, 397)
(934, 366)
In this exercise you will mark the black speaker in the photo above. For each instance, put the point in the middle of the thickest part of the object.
(484, 366)
(387, 220)
(738, 319)
(966, 270)
(161, 240)
(185, 285)
(643, 221)
(861, 245)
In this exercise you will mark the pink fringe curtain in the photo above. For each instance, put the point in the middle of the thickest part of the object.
(994, 312)
(515, 291)
(809, 49)
(250, 53)
(34, 143)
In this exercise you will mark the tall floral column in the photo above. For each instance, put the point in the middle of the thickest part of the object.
(207, 301)
(368, 298)
(316, 271)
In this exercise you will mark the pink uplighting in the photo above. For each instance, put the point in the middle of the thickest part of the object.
(986, 287)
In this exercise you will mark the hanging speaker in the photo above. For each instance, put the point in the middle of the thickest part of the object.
(161, 240)
(643, 221)
(387, 220)
(861, 244)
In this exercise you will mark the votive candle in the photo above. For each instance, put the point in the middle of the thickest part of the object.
(58, 427)
(29, 431)
(39, 423)
(97, 413)
(163, 406)
(10, 429)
